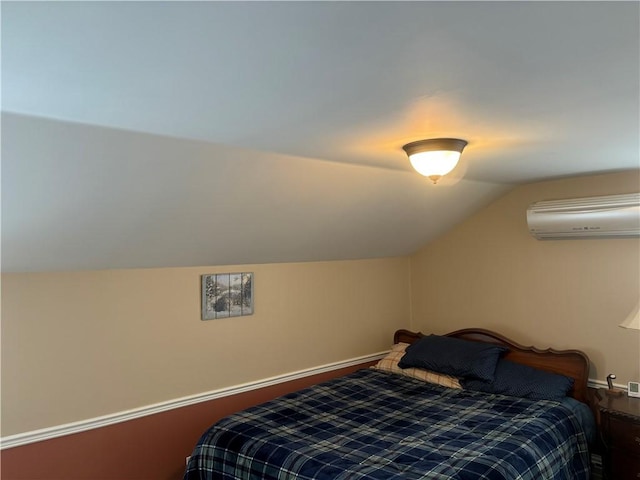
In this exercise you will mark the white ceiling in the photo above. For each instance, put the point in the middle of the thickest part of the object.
(250, 132)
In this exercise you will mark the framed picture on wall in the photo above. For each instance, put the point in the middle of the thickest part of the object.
(226, 295)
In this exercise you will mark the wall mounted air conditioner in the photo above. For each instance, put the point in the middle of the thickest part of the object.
(590, 217)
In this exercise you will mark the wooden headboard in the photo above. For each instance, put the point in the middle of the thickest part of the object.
(572, 363)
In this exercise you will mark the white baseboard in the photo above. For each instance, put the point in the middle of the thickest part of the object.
(33, 436)
(603, 384)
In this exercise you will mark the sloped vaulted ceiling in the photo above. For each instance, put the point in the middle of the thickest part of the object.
(102, 198)
(148, 134)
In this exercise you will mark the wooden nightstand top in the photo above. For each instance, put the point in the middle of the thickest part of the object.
(621, 405)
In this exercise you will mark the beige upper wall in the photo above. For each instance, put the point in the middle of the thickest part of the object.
(489, 272)
(76, 345)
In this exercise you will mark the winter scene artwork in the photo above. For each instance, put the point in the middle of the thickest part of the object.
(227, 295)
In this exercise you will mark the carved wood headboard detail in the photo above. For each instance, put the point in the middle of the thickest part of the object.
(572, 363)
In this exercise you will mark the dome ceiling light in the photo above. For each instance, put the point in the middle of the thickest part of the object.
(436, 157)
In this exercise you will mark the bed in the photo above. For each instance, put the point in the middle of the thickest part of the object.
(381, 423)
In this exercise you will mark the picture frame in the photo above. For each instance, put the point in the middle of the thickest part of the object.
(225, 295)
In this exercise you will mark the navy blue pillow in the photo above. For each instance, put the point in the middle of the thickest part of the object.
(519, 380)
(453, 356)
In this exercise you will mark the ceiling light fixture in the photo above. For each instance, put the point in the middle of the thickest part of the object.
(436, 157)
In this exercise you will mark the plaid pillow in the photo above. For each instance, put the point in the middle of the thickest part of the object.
(390, 364)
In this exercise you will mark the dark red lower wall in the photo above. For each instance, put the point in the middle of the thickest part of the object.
(149, 448)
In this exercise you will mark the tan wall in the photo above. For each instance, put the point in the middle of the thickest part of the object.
(76, 345)
(489, 272)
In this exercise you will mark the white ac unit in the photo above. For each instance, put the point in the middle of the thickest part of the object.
(590, 217)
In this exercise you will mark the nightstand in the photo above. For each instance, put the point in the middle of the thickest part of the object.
(620, 429)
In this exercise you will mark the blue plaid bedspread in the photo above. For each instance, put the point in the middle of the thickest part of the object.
(378, 425)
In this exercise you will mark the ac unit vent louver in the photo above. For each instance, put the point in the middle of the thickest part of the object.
(591, 217)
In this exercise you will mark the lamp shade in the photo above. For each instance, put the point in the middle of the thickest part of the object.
(436, 157)
(633, 319)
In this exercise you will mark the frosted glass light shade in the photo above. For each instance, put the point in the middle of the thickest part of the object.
(437, 163)
(436, 157)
